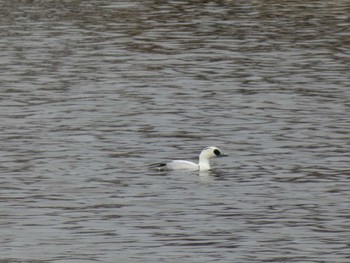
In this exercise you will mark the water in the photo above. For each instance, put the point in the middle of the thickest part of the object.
(93, 92)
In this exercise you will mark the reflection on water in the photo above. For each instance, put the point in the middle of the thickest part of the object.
(92, 92)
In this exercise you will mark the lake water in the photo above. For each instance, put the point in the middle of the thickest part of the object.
(93, 92)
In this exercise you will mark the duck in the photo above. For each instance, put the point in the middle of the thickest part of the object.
(203, 164)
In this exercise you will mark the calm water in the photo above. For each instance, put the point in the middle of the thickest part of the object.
(92, 92)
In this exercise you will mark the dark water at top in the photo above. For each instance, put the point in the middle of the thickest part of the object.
(92, 92)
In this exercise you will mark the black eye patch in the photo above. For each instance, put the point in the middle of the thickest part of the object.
(217, 152)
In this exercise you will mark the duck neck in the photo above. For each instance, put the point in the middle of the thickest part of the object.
(204, 164)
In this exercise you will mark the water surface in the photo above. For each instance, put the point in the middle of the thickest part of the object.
(93, 92)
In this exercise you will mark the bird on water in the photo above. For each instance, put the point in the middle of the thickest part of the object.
(202, 165)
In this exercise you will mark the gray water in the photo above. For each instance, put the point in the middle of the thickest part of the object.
(93, 92)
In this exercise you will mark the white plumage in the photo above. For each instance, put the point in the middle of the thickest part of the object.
(202, 165)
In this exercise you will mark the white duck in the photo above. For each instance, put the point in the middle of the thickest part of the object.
(203, 165)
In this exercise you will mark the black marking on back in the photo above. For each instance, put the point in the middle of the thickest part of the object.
(158, 165)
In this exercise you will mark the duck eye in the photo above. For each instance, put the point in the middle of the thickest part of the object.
(217, 152)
